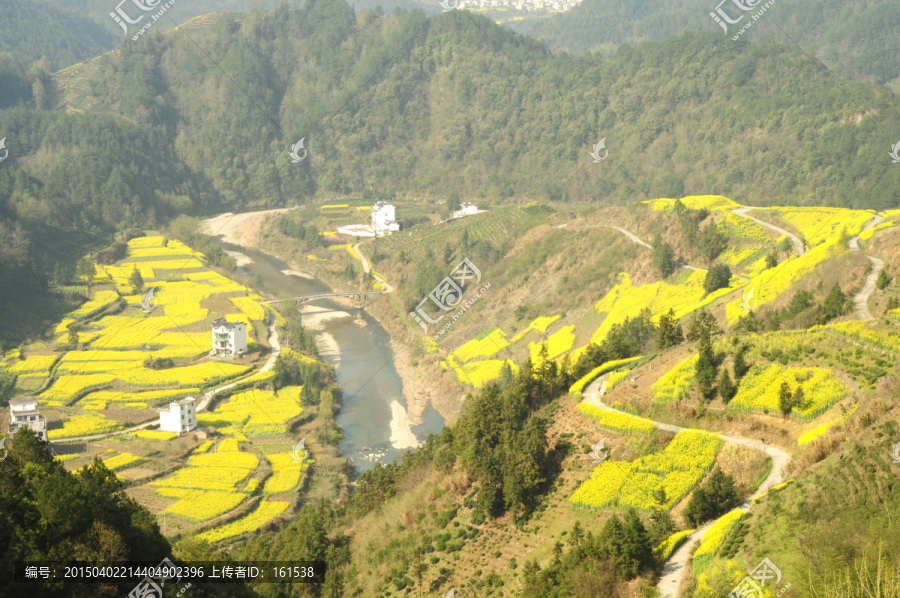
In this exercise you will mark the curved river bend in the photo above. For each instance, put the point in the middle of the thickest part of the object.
(374, 414)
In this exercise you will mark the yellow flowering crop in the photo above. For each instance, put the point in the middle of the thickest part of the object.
(64, 458)
(677, 470)
(200, 373)
(541, 324)
(147, 242)
(333, 206)
(279, 319)
(602, 489)
(745, 228)
(203, 447)
(251, 308)
(286, 474)
(89, 367)
(34, 363)
(557, 343)
(861, 331)
(225, 458)
(820, 224)
(713, 539)
(288, 352)
(256, 413)
(66, 387)
(776, 487)
(252, 485)
(485, 347)
(228, 445)
(84, 425)
(771, 283)
(674, 384)
(618, 422)
(239, 318)
(665, 549)
(616, 378)
(713, 203)
(202, 505)
(760, 388)
(266, 511)
(479, 373)
(120, 461)
(173, 264)
(820, 430)
(101, 299)
(577, 388)
(116, 396)
(155, 435)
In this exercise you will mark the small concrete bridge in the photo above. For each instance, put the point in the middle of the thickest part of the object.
(360, 296)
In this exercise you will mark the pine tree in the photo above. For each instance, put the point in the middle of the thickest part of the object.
(883, 280)
(136, 280)
(772, 260)
(668, 331)
(705, 370)
(833, 306)
(799, 400)
(785, 399)
(727, 389)
(73, 337)
(663, 257)
(741, 367)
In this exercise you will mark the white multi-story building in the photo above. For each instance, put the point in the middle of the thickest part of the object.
(229, 337)
(180, 417)
(466, 209)
(23, 413)
(383, 219)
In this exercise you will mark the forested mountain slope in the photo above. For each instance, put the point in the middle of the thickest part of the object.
(857, 39)
(451, 110)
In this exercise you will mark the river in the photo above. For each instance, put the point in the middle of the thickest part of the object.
(374, 415)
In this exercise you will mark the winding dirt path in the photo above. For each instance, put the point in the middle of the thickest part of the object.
(798, 244)
(673, 571)
(861, 299)
(366, 268)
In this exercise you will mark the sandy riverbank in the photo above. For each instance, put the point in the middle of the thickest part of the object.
(239, 229)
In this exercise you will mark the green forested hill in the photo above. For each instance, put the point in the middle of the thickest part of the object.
(455, 112)
(860, 40)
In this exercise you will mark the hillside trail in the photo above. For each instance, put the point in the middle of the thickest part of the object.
(861, 299)
(207, 397)
(798, 244)
(673, 571)
(366, 268)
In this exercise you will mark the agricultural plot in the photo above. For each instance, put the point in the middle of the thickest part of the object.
(250, 308)
(616, 421)
(84, 425)
(713, 203)
(863, 332)
(759, 390)
(155, 435)
(222, 471)
(771, 283)
(256, 413)
(67, 387)
(668, 546)
(203, 505)
(627, 301)
(116, 396)
(487, 346)
(744, 228)
(576, 389)
(33, 364)
(286, 473)
(101, 300)
(818, 225)
(557, 343)
(480, 373)
(677, 470)
(713, 539)
(120, 461)
(541, 324)
(820, 430)
(675, 384)
(265, 512)
(201, 373)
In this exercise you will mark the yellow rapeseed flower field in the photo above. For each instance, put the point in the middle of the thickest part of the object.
(155, 435)
(821, 429)
(286, 474)
(557, 343)
(84, 425)
(665, 549)
(616, 421)
(146, 242)
(713, 539)
(480, 373)
(202, 505)
(116, 396)
(120, 461)
(251, 308)
(759, 390)
(256, 413)
(34, 363)
(484, 347)
(200, 373)
(266, 511)
(101, 299)
(713, 203)
(66, 387)
(675, 384)
(541, 324)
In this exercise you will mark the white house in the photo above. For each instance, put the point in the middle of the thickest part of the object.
(181, 416)
(23, 413)
(229, 337)
(383, 219)
(466, 209)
